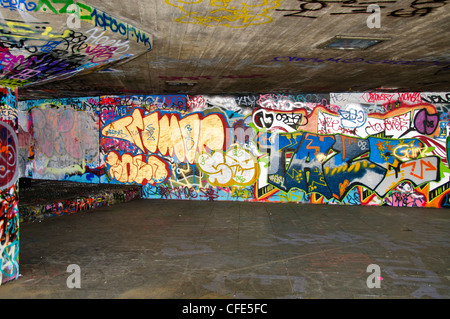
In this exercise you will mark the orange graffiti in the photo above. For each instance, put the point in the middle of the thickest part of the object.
(423, 164)
(343, 186)
(170, 135)
(128, 168)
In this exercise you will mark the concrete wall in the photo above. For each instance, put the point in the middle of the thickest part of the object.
(337, 148)
(9, 212)
(39, 209)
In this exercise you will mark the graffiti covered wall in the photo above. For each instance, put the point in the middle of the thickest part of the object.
(43, 41)
(337, 148)
(38, 210)
(60, 139)
(9, 173)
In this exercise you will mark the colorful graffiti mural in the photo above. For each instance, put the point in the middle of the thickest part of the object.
(9, 173)
(34, 48)
(337, 148)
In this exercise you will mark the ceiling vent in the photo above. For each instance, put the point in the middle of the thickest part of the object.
(351, 43)
(176, 83)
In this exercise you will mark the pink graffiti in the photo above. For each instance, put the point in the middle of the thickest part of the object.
(8, 60)
(100, 53)
(60, 132)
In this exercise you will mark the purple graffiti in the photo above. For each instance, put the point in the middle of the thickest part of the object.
(426, 123)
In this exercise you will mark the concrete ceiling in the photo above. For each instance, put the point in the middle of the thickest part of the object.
(263, 46)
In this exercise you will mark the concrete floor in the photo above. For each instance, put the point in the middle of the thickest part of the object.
(224, 250)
